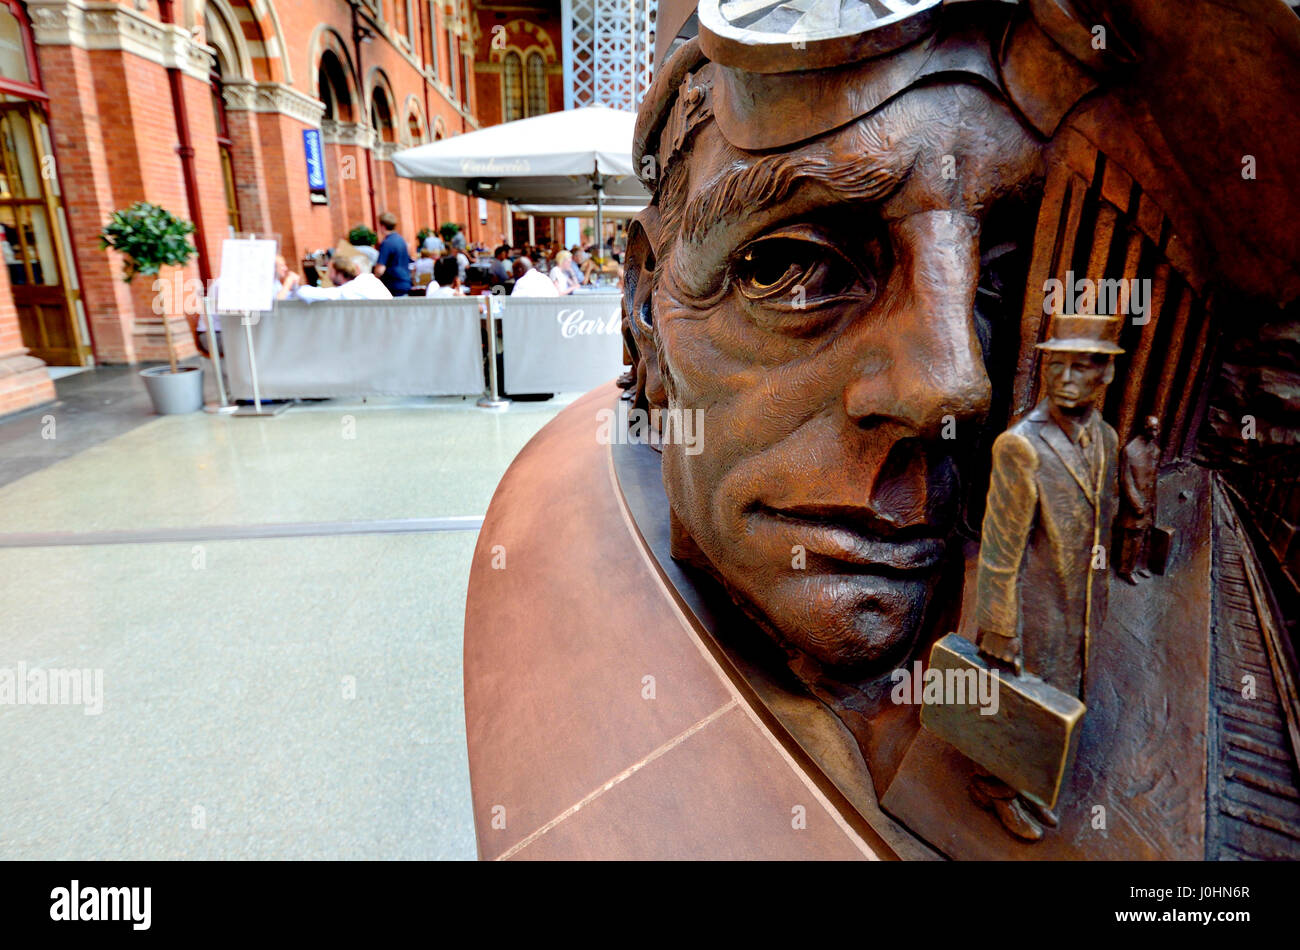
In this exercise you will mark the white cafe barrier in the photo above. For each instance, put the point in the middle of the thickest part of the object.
(406, 347)
(565, 344)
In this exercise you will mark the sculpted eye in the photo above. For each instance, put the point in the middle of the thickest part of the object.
(796, 268)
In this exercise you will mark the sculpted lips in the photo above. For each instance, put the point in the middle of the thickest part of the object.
(857, 536)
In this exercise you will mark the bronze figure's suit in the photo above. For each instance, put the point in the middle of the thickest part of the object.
(1051, 502)
(1137, 511)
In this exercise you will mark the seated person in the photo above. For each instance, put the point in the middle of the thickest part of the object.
(499, 269)
(285, 279)
(447, 276)
(422, 269)
(530, 282)
(580, 257)
(462, 263)
(282, 288)
(364, 264)
(566, 281)
(574, 268)
(369, 252)
(349, 284)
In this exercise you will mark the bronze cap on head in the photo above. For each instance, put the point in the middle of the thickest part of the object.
(1083, 333)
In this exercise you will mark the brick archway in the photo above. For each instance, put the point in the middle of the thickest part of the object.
(259, 33)
(326, 41)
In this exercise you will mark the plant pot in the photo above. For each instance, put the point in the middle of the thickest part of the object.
(174, 393)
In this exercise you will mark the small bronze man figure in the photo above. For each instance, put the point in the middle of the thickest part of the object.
(1137, 512)
(1042, 584)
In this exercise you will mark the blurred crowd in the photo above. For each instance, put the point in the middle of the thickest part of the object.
(369, 266)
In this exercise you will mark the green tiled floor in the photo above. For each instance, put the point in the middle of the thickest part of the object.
(228, 665)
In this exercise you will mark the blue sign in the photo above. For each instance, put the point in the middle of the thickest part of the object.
(311, 143)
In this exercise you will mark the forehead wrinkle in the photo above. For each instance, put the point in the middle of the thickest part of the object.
(921, 120)
(744, 188)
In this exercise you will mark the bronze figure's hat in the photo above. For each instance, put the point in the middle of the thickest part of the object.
(1083, 333)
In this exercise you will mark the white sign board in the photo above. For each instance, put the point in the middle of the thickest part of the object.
(247, 280)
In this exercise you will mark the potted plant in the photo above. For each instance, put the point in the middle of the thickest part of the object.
(420, 237)
(362, 236)
(449, 230)
(150, 238)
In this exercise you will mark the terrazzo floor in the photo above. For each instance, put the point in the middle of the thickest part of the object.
(280, 698)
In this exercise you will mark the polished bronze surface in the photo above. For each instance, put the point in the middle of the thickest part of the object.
(916, 276)
(1139, 468)
(572, 751)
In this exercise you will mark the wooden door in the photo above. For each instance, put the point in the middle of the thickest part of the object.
(32, 239)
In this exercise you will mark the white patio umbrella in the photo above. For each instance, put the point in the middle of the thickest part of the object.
(615, 210)
(576, 156)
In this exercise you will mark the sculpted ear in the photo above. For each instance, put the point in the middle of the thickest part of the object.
(638, 308)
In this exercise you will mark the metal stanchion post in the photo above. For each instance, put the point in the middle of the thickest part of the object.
(256, 408)
(214, 351)
(493, 399)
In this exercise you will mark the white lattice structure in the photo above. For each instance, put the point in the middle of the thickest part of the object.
(608, 51)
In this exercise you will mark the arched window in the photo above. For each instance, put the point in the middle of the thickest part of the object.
(225, 147)
(512, 87)
(16, 54)
(381, 115)
(333, 85)
(537, 98)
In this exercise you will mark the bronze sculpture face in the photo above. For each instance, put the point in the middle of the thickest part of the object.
(845, 269)
(1074, 380)
(837, 357)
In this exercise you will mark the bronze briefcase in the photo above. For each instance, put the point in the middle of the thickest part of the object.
(1029, 740)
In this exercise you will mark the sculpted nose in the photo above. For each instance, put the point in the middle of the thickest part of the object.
(919, 366)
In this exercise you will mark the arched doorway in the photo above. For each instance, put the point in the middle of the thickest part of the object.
(33, 229)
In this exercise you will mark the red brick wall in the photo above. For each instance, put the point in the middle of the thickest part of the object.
(139, 134)
(88, 182)
(249, 171)
(112, 119)
(301, 225)
(349, 205)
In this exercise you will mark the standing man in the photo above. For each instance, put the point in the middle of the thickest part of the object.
(394, 264)
(1042, 584)
(1137, 513)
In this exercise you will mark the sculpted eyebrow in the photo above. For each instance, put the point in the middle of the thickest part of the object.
(743, 190)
